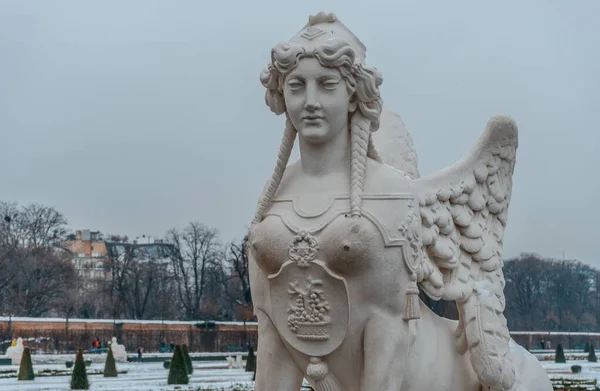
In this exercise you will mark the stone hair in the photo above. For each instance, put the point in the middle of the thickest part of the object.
(363, 87)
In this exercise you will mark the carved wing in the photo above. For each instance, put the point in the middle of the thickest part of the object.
(395, 145)
(464, 210)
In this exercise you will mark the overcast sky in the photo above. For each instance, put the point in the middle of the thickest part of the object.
(133, 117)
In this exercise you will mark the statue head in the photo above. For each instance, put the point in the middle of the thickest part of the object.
(319, 79)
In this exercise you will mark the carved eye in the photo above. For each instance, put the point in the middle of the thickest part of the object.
(295, 84)
(330, 84)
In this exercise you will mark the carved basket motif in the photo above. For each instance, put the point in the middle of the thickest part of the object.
(313, 331)
(310, 303)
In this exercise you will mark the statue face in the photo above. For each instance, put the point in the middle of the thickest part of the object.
(317, 101)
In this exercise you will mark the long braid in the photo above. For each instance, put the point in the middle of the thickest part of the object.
(359, 137)
(285, 150)
(372, 151)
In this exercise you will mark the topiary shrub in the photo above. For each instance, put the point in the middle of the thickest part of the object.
(575, 368)
(166, 364)
(69, 364)
(110, 367)
(559, 357)
(79, 379)
(188, 359)
(178, 372)
(26, 367)
(251, 360)
(592, 354)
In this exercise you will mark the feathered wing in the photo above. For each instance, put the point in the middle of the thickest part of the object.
(395, 145)
(464, 211)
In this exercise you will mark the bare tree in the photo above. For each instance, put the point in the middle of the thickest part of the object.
(43, 277)
(35, 270)
(525, 277)
(236, 280)
(32, 226)
(146, 284)
(195, 249)
(121, 259)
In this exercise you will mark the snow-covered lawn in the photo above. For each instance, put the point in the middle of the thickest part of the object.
(140, 376)
(210, 375)
(588, 370)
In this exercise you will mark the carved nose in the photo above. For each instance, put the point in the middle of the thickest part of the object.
(312, 106)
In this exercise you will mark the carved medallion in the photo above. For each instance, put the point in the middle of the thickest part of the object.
(310, 303)
(303, 249)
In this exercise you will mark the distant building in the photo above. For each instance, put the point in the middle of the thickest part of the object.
(93, 255)
(89, 256)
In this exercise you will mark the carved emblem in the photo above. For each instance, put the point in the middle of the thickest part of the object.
(312, 32)
(310, 303)
(303, 249)
(309, 318)
(411, 230)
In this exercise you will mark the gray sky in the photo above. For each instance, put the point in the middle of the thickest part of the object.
(133, 117)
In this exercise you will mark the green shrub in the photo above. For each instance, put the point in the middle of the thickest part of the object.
(110, 367)
(79, 379)
(188, 359)
(26, 367)
(559, 357)
(251, 360)
(592, 354)
(178, 372)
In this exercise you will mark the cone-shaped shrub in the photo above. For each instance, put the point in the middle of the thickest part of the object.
(251, 360)
(586, 349)
(188, 359)
(26, 368)
(110, 368)
(560, 354)
(592, 354)
(79, 379)
(178, 372)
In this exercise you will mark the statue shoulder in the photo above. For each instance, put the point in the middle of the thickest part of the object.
(388, 201)
(385, 179)
(286, 186)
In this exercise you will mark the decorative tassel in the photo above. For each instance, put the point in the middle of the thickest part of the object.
(411, 300)
(318, 373)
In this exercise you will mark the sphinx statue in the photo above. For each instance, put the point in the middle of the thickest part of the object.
(15, 351)
(119, 352)
(344, 239)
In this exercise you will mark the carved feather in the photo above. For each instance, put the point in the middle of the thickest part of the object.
(468, 204)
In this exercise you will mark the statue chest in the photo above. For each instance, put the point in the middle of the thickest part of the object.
(320, 261)
(299, 230)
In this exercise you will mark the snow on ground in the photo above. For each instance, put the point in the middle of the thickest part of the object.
(208, 375)
(589, 370)
(140, 376)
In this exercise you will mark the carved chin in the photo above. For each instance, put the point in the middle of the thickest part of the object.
(315, 133)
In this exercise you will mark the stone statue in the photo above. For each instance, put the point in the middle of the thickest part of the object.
(119, 352)
(15, 352)
(342, 240)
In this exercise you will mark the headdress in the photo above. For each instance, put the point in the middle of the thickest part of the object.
(324, 27)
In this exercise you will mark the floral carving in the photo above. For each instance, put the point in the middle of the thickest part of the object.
(303, 249)
(308, 317)
(410, 229)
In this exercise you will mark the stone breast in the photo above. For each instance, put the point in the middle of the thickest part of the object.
(344, 244)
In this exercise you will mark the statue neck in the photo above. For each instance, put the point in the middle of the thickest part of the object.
(321, 159)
